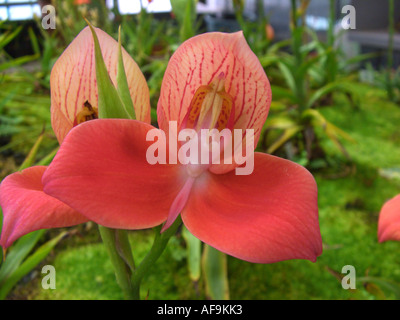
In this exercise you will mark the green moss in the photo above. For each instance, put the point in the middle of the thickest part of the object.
(83, 273)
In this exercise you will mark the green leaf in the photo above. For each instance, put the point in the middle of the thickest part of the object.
(18, 253)
(124, 248)
(187, 30)
(333, 132)
(185, 12)
(279, 93)
(122, 270)
(280, 122)
(193, 246)
(279, 45)
(382, 283)
(215, 270)
(277, 106)
(110, 103)
(30, 158)
(47, 159)
(286, 136)
(289, 78)
(34, 41)
(28, 265)
(330, 87)
(268, 60)
(122, 82)
(18, 61)
(359, 58)
(7, 37)
(303, 69)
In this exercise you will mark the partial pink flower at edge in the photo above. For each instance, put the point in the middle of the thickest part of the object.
(81, 2)
(27, 208)
(389, 220)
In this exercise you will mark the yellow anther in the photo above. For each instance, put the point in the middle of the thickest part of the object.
(87, 113)
(210, 107)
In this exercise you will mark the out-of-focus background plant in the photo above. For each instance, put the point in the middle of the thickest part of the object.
(335, 110)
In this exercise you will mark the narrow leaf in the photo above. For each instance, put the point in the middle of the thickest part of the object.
(47, 159)
(28, 265)
(215, 270)
(382, 283)
(193, 247)
(17, 253)
(286, 136)
(30, 158)
(110, 103)
(287, 74)
(124, 248)
(122, 82)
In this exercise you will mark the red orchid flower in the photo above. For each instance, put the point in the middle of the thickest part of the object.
(74, 100)
(212, 80)
(389, 220)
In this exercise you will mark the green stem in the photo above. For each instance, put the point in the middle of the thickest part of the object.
(122, 271)
(158, 247)
(294, 14)
(297, 41)
(390, 50)
(47, 159)
(332, 19)
(331, 56)
(124, 249)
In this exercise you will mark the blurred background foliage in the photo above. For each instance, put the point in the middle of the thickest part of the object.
(336, 113)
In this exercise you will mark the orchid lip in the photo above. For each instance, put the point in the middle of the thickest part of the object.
(179, 203)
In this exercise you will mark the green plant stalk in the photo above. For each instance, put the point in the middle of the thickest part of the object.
(123, 247)
(296, 45)
(332, 17)
(158, 247)
(239, 16)
(186, 29)
(193, 249)
(122, 271)
(215, 269)
(47, 159)
(390, 51)
(32, 153)
(331, 63)
(296, 33)
(294, 15)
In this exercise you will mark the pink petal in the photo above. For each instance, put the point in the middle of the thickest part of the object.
(101, 170)
(268, 216)
(389, 220)
(27, 208)
(200, 60)
(73, 80)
